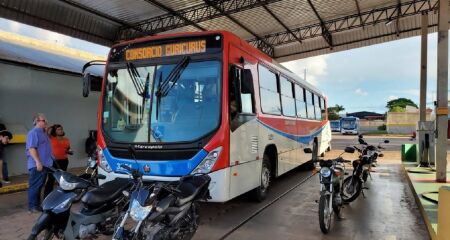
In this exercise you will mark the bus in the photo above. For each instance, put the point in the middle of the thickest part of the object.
(350, 125)
(206, 102)
(335, 125)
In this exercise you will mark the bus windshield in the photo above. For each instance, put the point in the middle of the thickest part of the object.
(135, 112)
(348, 123)
(334, 124)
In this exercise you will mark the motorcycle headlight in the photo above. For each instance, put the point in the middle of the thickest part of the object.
(207, 164)
(138, 212)
(103, 163)
(325, 172)
(68, 186)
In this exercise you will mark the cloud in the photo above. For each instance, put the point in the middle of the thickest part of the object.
(361, 92)
(392, 97)
(316, 67)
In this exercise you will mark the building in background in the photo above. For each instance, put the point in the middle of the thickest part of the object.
(37, 76)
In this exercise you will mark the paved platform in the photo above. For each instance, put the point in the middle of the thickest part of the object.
(388, 212)
(425, 188)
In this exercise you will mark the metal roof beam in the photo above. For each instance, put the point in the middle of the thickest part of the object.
(188, 16)
(370, 18)
(325, 32)
(397, 22)
(281, 23)
(359, 11)
(261, 44)
(175, 13)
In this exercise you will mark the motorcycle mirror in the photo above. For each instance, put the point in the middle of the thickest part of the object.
(101, 176)
(349, 150)
(386, 141)
(307, 150)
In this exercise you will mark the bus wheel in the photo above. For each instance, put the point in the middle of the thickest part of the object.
(260, 193)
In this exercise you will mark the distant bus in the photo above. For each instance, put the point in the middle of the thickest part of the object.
(206, 103)
(350, 125)
(335, 125)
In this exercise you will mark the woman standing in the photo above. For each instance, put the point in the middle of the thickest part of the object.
(60, 147)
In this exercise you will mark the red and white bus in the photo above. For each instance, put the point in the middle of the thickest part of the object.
(206, 102)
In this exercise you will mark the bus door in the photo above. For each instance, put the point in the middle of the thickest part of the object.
(244, 164)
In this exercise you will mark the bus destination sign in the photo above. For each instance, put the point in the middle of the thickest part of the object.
(166, 50)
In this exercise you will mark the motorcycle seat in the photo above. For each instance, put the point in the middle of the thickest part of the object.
(106, 192)
(190, 188)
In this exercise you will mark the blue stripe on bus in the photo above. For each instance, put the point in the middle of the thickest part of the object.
(168, 168)
(305, 139)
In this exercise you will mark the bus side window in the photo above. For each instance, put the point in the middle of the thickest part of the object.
(247, 91)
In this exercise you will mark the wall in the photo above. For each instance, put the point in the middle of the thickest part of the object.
(26, 90)
(370, 125)
(403, 122)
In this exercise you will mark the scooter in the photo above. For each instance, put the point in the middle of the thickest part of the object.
(101, 206)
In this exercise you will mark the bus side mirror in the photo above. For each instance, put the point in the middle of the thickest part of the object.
(247, 82)
(307, 150)
(86, 84)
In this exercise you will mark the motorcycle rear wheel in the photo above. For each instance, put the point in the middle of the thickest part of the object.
(325, 213)
(351, 189)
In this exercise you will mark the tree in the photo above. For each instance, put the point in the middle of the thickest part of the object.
(333, 112)
(336, 109)
(400, 102)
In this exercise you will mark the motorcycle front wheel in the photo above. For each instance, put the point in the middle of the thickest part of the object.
(325, 213)
(44, 234)
(351, 188)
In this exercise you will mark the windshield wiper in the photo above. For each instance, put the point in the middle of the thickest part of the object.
(174, 75)
(134, 75)
(165, 86)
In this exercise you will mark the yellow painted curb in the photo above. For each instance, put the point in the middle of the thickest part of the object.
(13, 188)
(430, 229)
(443, 229)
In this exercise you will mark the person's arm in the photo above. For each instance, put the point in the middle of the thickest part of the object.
(34, 154)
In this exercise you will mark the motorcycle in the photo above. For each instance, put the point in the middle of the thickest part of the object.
(164, 210)
(354, 185)
(331, 175)
(101, 206)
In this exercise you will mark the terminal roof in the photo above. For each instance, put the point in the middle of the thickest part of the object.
(284, 29)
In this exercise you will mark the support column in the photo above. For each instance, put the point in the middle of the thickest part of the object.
(423, 159)
(442, 93)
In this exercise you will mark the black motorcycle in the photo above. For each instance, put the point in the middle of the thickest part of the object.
(331, 175)
(101, 206)
(164, 210)
(354, 185)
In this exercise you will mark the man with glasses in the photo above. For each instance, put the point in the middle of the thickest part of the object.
(38, 150)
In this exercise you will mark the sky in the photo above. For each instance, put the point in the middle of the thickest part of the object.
(361, 79)
(364, 79)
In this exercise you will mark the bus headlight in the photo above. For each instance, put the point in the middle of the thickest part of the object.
(103, 163)
(325, 172)
(208, 163)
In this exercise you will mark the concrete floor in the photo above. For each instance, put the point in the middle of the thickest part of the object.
(389, 211)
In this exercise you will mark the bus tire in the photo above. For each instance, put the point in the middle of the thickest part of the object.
(260, 193)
